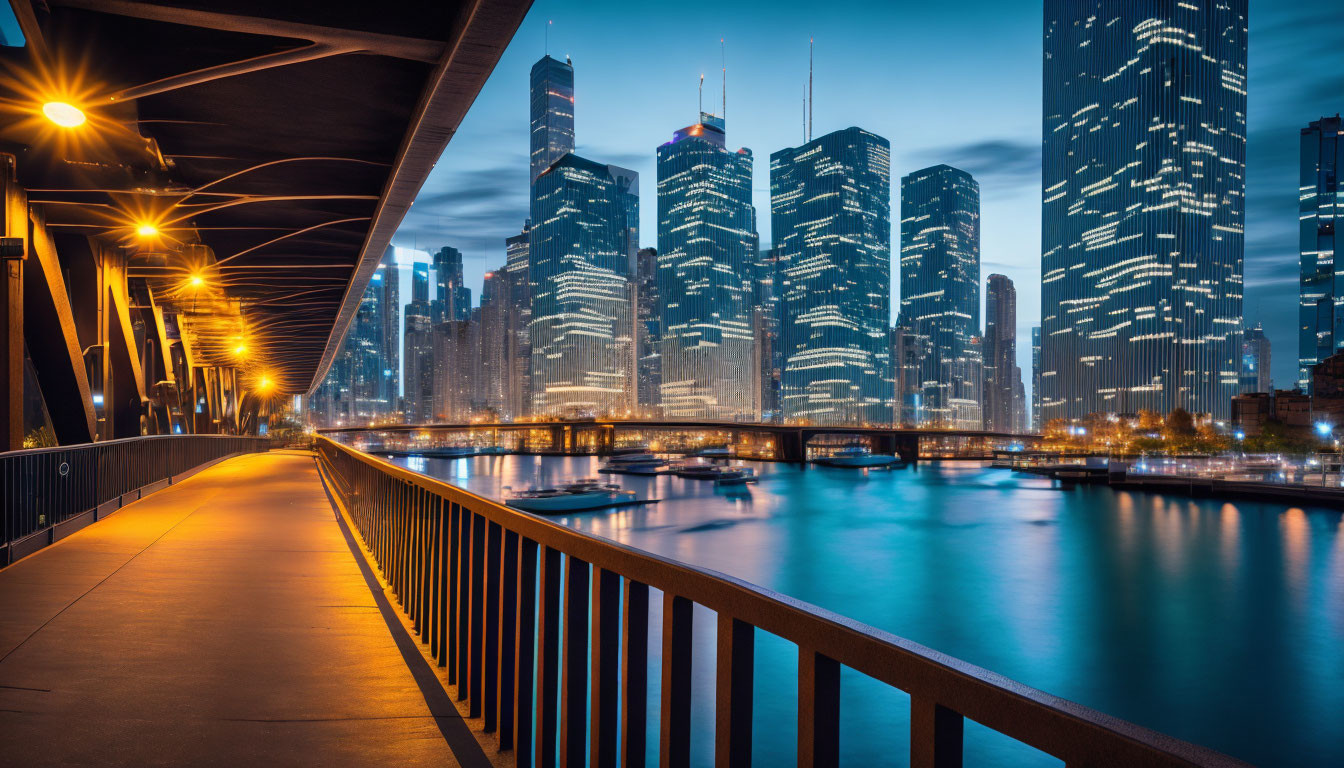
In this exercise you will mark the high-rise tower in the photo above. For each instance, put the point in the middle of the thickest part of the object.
(552, 113)
(1143, 176)
(1321, 304)
(940, 290)
(707, 245)
(1002, 376)
(830, 208)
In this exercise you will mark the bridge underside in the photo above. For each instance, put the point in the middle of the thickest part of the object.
(223, 621)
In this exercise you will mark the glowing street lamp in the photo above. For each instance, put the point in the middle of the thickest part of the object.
(240, 350)
(1323, 428)
(146, 229)
(196, 281)
(63, 114)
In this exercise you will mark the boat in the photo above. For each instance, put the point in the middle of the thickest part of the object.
(640, 463)
(857, 456)
(716, 472)
(573, 496)
(716, 452)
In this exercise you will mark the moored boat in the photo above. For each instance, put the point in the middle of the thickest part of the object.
(715, 472)
(857, 456)
(574, 496)
(641, 463)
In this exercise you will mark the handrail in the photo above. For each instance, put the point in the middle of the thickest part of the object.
(48, 492)
(465, 570)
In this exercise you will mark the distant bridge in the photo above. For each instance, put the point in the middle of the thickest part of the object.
(790, 440)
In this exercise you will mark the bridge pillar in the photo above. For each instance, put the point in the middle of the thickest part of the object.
(14, 230)
(790, 445)
(558, 438)
(906, 446)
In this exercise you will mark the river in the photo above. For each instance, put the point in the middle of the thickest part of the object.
(1217, 622)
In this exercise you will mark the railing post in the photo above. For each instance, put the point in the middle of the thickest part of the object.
(574, 688)
(476, 650)
(818, 710)
(548, 653)
(490, 649)
(733, 689)
(935, 735)
(463, 620)
(634, 674)
(606, 665)
(508, 640)
(675, 739)
(523, 669)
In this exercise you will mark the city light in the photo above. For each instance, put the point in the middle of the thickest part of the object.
(196, 281)
(146, 229)
(63, 114)
(240, 350)
(1323, 428)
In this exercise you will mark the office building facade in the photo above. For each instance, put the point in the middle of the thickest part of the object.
(581, 324)
(552, 113)
(830, 202)
(1143, 176)
(1003, 379)
(1255, 361)
(1321, 303)
(707, 245)
(940, 290)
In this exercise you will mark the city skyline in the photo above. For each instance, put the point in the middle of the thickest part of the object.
(479, 193)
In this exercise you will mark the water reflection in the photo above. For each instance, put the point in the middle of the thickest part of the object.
(1221, 623)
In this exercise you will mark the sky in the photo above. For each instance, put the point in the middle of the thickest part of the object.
(955, 83)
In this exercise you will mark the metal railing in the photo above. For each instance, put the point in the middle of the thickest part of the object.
(482, 585)
(48, 492)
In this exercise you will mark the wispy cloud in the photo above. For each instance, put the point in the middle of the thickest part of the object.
(995, 163)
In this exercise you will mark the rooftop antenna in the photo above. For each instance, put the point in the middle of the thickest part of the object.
(549, 22)
(809, 89)
(723, 60)
(702, 93)
(804, 113)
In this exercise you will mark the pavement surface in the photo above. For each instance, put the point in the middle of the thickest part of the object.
(224, 620)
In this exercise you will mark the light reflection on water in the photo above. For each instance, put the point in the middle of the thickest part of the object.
(1220, 623)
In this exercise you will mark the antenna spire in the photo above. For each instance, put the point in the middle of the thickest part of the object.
(549, 22)
(702, 93)
(723, 59)
(809, 89)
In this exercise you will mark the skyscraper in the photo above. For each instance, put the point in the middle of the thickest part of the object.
(707, 246)
(1255, 360)
(581, 323)
(452, 297)
(766, 328)
(940, 289)
(1321, 305)
(830, 207)
(1002, 376)
(454, 363)
(492, 328)
(648, 324)
(1143, 175)
(907, 350)
(1036, 423)
(552, 113)
(361, 386)
(418, 389)
(517, 322)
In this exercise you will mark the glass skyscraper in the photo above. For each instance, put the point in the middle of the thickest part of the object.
(517, 324)
(940, 290)
(452, 297)
(1036, 424)
(648, 325)
(1255, 361)
(552, 113)
(581, 323)
(1002, 376)
(1143, 175)
(707, 246)
(1321, 307)
(830, 209)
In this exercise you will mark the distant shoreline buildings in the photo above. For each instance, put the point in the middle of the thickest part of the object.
(1142, 212)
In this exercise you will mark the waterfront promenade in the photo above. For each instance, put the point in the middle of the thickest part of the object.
(226, 620)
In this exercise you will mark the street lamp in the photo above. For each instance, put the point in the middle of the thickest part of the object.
(63, 114)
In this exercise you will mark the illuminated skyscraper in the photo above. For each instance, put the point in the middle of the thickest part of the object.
(1036, 423)
(648, 324)
(1321, 307)
(552, 113)
(707, 246)
(491, 327)
(1143, 175)
(517, 322)
(361, 386)
(1255, 361)
(418, 391)
(940, 290)
(452, 297)
(581, 323)
(830, 208)
(1002, 376)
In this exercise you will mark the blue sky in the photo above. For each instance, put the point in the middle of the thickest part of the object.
(945, 83)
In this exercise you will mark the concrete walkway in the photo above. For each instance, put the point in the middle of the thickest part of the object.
(221, 621)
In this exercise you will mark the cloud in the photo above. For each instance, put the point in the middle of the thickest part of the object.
(995, 163)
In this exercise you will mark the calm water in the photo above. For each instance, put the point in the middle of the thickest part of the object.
(1220, 623)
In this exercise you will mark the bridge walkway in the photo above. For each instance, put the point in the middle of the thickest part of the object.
(225, 620)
